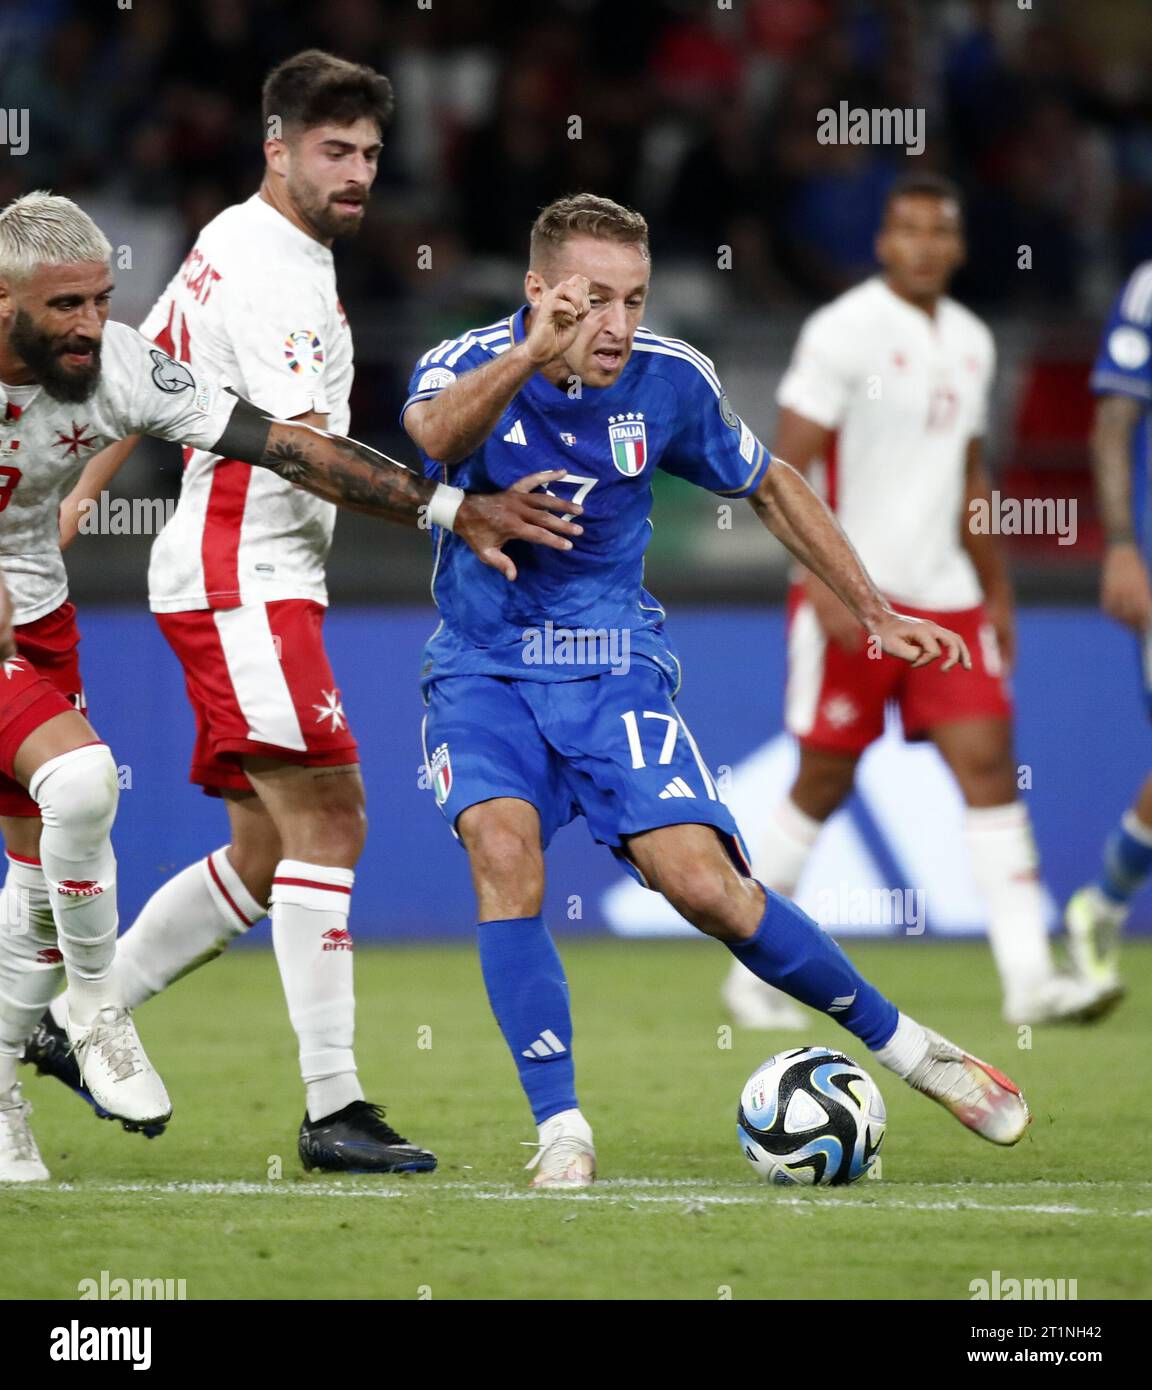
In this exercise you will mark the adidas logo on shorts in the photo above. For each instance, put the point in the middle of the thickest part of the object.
(677, 787)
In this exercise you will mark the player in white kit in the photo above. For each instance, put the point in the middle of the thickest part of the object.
(72, 383)
(237, 583)
(889, 386)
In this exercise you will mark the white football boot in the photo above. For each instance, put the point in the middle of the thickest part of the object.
(565, 1156)
(981, 1098)
(20, 1159)
(1063, 999)
(116, 1069)
(753, 1003)
(1094, 925)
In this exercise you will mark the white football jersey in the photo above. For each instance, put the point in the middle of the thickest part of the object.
(254, 306)
(905, 394)
(45, 443)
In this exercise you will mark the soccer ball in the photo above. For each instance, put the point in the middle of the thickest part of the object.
(810, 1117)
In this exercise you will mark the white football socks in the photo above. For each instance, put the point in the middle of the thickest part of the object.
(187, 922)
(77, 794)
(1005, 865)
(906, 1047)
(30, 961)
(310, 906)
(566, 1122)
(785, 846)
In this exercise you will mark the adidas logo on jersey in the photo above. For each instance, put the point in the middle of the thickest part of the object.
(546, 1045)
(516, 434)
(677, 787)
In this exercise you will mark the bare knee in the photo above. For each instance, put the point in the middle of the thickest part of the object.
(21, 835)
(347, 829)
(332, 835)
(989, 785)
(255, 862)
(1143, 804)
(507, 861)
(981, 762)
(318, 813)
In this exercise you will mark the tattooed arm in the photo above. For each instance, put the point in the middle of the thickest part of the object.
(356, 477)
(344, 472)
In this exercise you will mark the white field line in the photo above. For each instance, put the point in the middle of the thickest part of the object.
(422, 1181)
(690, 1201)
(621, 1191)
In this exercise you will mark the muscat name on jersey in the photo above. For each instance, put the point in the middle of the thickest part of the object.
(1124, 368)
(45, 443)
(905, 394)
(666, 410)
(255, 306)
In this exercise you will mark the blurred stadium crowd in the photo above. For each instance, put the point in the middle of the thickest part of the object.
(704, 116)
(703, 113)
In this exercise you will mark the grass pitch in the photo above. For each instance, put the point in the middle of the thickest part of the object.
(222, 1203)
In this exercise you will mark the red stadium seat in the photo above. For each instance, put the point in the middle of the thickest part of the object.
(1048, 457)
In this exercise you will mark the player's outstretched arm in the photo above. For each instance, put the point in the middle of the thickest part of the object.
(98, 472)
(797, 516)
(1125, 591)
(360, 479)
(802, 441)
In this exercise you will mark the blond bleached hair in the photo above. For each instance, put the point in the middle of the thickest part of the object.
(42, 228)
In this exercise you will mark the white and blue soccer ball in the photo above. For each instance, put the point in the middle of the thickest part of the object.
(811, 1117)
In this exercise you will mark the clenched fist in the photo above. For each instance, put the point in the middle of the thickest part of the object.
(556, 320)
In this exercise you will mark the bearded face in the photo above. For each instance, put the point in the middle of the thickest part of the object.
(332, 213)
(329, 171)
(66, 365)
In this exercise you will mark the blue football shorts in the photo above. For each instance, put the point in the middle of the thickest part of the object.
(611, 748)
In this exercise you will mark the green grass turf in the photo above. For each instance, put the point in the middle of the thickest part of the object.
(678, 1214)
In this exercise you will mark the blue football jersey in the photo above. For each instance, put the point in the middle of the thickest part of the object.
(666, 410)
(1124, 368)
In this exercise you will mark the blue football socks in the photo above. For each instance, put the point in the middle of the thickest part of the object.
(529, 996)
(791, 952)
(1127, 860)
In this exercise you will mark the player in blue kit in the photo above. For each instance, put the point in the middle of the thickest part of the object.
(553, 696)
(1122, 382)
